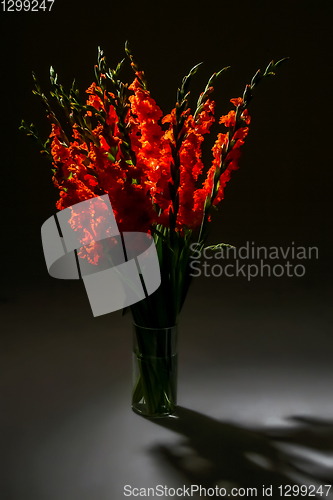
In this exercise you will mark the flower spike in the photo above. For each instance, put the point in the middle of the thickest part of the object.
(138, 73)
(204, 96)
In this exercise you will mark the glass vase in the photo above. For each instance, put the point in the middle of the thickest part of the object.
(154, 371)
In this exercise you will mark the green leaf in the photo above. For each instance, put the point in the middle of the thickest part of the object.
(280, 62)
(111, 157)
(53, 76)
(269, 67)
(207, 203)
(161, 235)
(195, 69)
(256, 78)
(220, 72)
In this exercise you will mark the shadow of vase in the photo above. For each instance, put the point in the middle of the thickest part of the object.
(217, 455)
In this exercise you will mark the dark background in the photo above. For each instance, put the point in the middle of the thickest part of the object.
(251, 352)
(282, 192)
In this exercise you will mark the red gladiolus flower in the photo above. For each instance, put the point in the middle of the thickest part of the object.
(139, 190)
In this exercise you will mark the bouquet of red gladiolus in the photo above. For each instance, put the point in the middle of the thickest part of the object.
(148, 165)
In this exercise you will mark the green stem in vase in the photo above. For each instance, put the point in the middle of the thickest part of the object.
(154, 392)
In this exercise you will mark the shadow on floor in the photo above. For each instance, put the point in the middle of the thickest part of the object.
(223, 454)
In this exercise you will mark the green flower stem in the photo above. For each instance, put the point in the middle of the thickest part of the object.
(138, 391)
(153, 384)
(156, 357)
